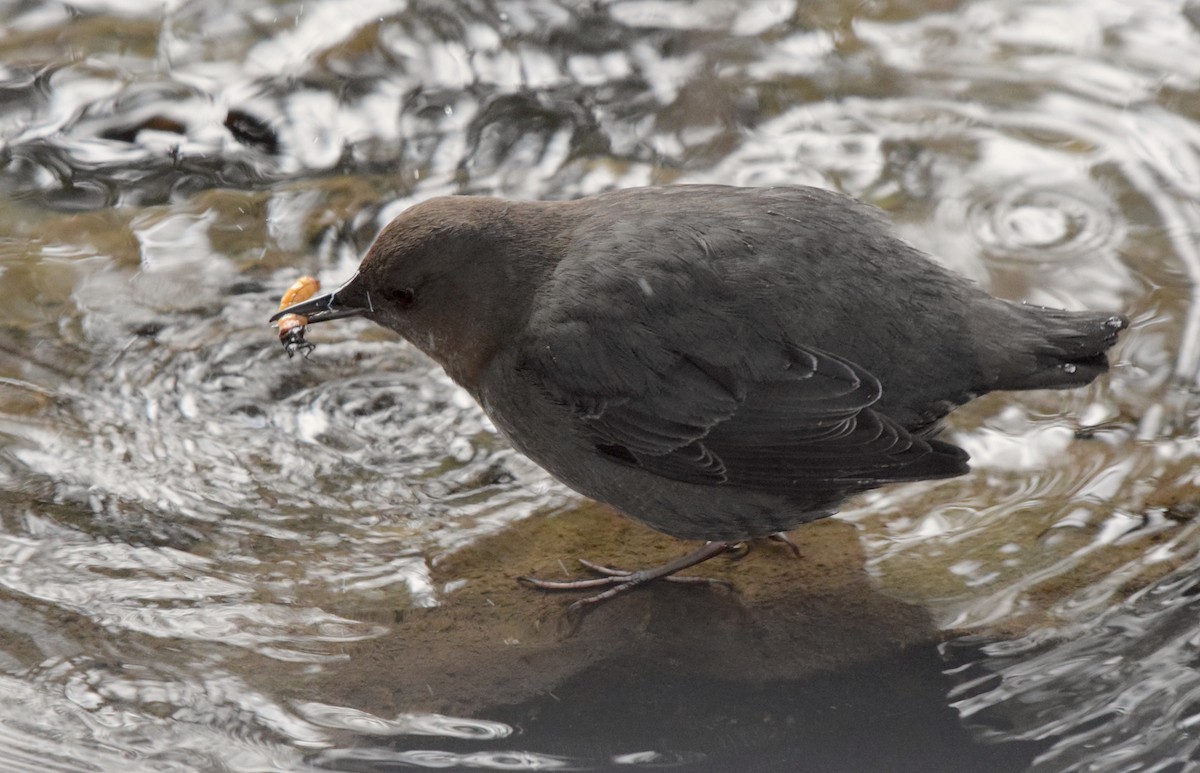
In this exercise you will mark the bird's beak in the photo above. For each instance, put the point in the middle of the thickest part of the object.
(325, 307)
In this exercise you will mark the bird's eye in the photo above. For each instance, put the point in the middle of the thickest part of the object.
(401, 296)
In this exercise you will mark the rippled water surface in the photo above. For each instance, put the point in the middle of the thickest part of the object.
(216, 558)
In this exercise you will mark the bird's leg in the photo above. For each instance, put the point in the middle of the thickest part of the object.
(622, 581)
(624, 574)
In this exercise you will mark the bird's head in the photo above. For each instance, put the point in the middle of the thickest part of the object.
(452, 275)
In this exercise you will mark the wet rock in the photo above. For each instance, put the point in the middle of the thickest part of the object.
(494, 642)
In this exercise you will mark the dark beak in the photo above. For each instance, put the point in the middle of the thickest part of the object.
(324, 308)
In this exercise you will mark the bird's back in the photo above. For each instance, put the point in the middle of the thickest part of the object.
(812, 266)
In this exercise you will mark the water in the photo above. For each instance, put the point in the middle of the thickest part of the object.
(216, 558)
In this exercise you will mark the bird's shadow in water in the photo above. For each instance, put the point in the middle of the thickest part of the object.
(804, 663)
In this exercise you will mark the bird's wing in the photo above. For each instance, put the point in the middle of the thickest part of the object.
(668, 367)
(808, 423)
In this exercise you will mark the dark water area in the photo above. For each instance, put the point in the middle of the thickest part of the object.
(719, 725)
(213, 557)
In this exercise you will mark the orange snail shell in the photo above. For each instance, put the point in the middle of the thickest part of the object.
(292, 326)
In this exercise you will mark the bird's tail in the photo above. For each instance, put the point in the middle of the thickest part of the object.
(1055, 349)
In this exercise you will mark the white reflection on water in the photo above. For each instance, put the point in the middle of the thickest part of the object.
(1117, 692)
(430, 758)
(345, 718)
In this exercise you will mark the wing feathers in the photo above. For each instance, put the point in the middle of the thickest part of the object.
(807, 422)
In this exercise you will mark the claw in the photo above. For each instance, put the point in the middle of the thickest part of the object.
(620, 580)
(780, 536)
(739, 550)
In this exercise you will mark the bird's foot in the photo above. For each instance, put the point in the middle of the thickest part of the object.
(615, 576)
(619, 581)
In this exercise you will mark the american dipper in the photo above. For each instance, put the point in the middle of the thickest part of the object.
(717, 363)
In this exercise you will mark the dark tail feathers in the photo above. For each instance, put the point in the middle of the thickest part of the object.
(1057, 349)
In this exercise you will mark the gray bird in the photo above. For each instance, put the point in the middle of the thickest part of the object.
(717, 363)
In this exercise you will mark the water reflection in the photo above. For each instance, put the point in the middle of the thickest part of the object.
(1117, 693)
(343, 718)
(214, 557)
